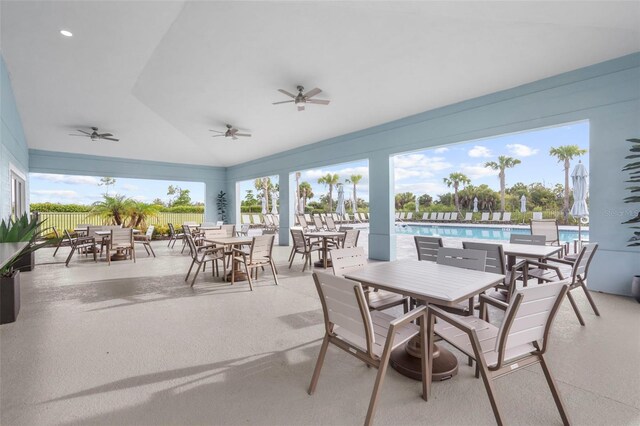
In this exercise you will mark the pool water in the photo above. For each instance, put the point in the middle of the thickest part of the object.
(478, 232)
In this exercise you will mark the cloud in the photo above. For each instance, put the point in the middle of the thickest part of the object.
(67, 179)
(139, 198)
(479, 151)
(441, 150)
(129, 187)
(521, 150)
(50, 193)
(477, 171)
(419, 188)
(418, 166)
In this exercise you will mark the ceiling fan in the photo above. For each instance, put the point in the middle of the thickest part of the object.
(303, 98)
(95, 135)
(231, 132)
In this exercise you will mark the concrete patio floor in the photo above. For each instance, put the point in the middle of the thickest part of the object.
(134, 344)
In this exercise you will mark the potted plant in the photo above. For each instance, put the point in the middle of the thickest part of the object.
(221, 201)
(16, 231)
(634, 178)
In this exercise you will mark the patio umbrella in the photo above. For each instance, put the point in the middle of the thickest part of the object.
(475, 204)
(579, 208)
(417, 204)
(523, 206)
(274, 208)
(340, 210)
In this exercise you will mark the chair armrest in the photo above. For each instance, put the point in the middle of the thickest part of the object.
(409, 316)
(86, 239)
(447, 317)
(493, 302)
(563, 261)
(544, 266)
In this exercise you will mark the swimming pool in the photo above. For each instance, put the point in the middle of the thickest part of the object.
(478, 232)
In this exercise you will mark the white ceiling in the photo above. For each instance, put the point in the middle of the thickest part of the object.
(159, 75)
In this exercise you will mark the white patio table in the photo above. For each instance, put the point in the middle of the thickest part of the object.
(428, 282)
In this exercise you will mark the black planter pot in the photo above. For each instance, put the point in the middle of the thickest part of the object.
(635, 287)
(25, 262)
(9, 297)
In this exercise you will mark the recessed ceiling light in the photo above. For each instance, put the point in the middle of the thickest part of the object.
(66, 33)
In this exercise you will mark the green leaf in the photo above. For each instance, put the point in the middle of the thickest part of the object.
(628, 157)
(633, 140)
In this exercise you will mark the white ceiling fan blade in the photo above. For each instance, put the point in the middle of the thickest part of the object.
(312, 92)
(102, 135)
(242, 134)
(217, 131)
(82, 131)
(318, 101)
(83, 136)
(287, 93)
(110, 139)
(217, 136)
(283, 102)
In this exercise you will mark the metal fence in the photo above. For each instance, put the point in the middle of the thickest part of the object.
(71, 220)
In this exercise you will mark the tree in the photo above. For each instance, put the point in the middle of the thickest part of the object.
(503, 163)
(158, 202)
(565, 154)
(138, 212)
(249, 199)
(355, 180)
(425, 200)
(264, 187)
(112, 209)
(403, 198)
(454, 180)
(107, 181)
(181, 196)
(306, 193)
(330, 180)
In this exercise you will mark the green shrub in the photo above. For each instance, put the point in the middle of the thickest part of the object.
(59, 208)
(183, 209)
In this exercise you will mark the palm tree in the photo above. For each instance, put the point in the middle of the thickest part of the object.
(139, 212)
(113, 209)
(264, 185)
(455, 179)
(306, 193)
(355, 180)
(330, 180)
(565, 154)
(503, 163)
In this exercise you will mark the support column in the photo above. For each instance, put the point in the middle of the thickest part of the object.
(285, 223)
(382, 237)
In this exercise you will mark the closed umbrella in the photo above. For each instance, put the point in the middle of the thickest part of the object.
(523, 206)
(580, 187)
(417, 204)
(475, 204)
(274, 208)
(340, 209)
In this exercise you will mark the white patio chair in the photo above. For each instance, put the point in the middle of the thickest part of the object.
(350, 326)
(462, 258)
(353, 259)
(409, 216)
(537, 216)
(578, 275)
(468, 217)
(173, 235)
(202, 255)
(80, 244)
(121, 240)
(317, 221)
(484, 217)
(440, 216)
(304, 247)
(259, 256)
(350, 238)
(425, 216)
(257, 220)
(520, 341)
(495, 217)
(427, 247)
(548, 228)
(506, 218)
(245, 218)
(145, 240)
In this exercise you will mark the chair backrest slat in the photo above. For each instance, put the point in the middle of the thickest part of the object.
(317, 220)
(348, 260)
(527, 317)
(229, 229)
(122, 236)
(546, 227)
(538, 240)
(331, 225)
(581, 267)
(298, 238)
(350, 238)
(342, 308)
(211, 234)
(462, 258)
(495, 255)
(427, 247)
(261, 247)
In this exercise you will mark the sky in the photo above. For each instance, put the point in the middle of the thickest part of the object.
(419, 172)
(68, 189)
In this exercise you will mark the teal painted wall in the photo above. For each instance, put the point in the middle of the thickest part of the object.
(606, 94)
(214, 178)
(13, 146)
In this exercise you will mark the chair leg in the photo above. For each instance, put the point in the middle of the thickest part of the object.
(293, 249)
(233, 271)
(169, 243)
(146, 248)
(575, 307)
(196, 275)
(431, 337)
(66, 263)
(248, 272)
(589, 298)
(108, 255)
(305, 258)
(319, 362)
(152, 252)
(190, 267)
(57, 247)
(224, 269)
(293, 255)
(482, 365)
(382, 369)
(133, 252)
(426, 372)
(554, 391)
(273, 270)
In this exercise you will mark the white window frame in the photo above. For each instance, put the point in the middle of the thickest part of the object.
(18, 200)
